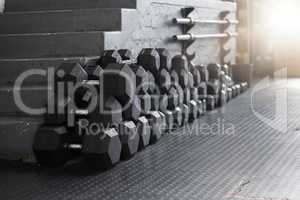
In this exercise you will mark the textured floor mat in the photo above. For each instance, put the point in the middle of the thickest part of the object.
(232, 153)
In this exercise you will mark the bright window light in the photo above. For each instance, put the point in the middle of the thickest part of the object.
(284, 18)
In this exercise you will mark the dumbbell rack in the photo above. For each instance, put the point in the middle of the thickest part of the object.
(184, 106)
(187, 38)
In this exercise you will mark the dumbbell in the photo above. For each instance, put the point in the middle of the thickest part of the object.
(165, 59)
(239, 90)
(203, 72)
(225, 68)
(52, 147)
(122, 85)
(229, 94)
(204, 78)
(159, 77)
(109, 56)
(234, 91)
(181, 111)
(180, 66)
(122, 89)
(210, 102)
(244, 86)
(214, 71)
(213, 89)
(223, 96)
(200, 87)
(194, 81)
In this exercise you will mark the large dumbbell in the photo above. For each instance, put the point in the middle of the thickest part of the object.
(182, 110)
(159, 78)
(214, 71)
(195, 84)
(122, 90)
(142, 86)
(108, 57)
(180, 66)
(203, 72)
(165, 59)
(53, 148)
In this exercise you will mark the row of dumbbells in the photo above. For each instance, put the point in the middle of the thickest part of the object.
(135, 101)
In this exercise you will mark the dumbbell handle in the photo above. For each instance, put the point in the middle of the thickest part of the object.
(91, 82)
(82, 112)
(76, 147)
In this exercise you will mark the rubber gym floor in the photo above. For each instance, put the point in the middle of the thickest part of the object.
(253, 160)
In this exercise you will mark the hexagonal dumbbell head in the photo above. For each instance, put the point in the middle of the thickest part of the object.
(165, 59)
(132, 110)
(229, 94)
(223, 98)
(193, 106)
(129, 139)
(187, 96)
(85, 96)
(151, 83)
(202, 89)
(180, 95)
(110, 111)
(200, 108)
(191, 81)
(141, 78)
(223, 77)
(210, 102)
(173, 98)
(194, 93)
(178, 116)
(108, 57)
(238, 87)
(102, 150)
(203, 72)
(144, 131)
(185, 113)
(225, 69)
(174, 78)
(214, 71)
(164, 81)
(125, 54)
(213, 88)
(70, 73)
(145, 103)
(234, 91)
(169, 120)
(228, 81)
(94, 71)
(196, 76)
(244, 86)
(155, 121)
(183, 79)
(204, 103)
(179, 63)
(150, 60)
(164, 102)
(49, 148)
(163, 119)
(155, 102)
(119, 81)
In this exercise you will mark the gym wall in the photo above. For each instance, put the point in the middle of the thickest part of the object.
(150, 25)
(1, 6)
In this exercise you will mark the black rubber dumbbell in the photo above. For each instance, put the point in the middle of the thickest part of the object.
(108, 57)
(52, 147)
